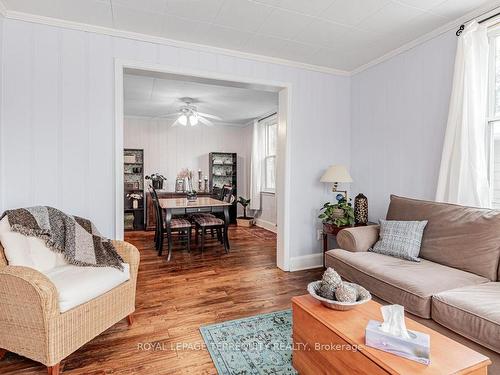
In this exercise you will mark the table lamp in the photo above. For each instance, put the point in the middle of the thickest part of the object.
(336, 174)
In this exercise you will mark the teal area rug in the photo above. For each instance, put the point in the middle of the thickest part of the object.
(260, 344)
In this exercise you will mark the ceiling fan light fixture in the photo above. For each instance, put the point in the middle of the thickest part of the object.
(183, 120)
(193, 120)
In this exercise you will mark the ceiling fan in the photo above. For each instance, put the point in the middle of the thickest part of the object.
(189, 114)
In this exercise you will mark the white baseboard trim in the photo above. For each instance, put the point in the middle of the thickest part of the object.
(306, 262)
(267, 225)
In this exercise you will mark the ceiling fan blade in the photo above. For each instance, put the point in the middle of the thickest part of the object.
(170, 115)
(204, 121)
(209, 116)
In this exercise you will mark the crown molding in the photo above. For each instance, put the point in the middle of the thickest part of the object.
(431, 35)
(26, 17)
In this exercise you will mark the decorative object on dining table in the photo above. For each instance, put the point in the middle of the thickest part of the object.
(206, 187)
(199, 180)
(336, 174)
(187, 176)
(191, 195)
(338, 214)
(156, 180)
(188, 186)
(361, 209)
(392, 336)
(179, 185)
(336, 294)
(244, 221)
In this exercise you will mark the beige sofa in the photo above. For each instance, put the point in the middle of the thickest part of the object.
(457, 282)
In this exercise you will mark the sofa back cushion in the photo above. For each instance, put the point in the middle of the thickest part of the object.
(461, 237)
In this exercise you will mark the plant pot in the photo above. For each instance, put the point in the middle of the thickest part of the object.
(157, 184)
(337, 213)
(245, 221)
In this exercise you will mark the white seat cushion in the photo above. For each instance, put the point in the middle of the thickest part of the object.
(27, 251)
(77, 285)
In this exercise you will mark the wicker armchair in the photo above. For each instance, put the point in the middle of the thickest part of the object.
(31, 324)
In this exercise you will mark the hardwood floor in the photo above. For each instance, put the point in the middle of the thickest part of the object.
(174, 299)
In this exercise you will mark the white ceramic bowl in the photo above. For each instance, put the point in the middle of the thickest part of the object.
(332, 304)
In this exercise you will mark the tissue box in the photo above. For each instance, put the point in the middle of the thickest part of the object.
(417, 348)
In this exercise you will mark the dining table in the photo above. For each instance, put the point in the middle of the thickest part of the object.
(184, 206)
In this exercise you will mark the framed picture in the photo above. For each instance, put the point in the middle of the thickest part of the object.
(179, 185)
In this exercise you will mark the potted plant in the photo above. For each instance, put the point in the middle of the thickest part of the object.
(244, 221)
(156, 180)
(340, 214)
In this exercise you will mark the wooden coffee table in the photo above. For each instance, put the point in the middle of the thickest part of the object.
(325, 342)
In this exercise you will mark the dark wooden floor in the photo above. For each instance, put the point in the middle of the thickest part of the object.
(174, 299)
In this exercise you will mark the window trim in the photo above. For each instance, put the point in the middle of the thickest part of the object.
(491, 117)
(267, 123)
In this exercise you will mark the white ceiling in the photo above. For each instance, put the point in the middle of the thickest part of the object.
(148, 95)
(340, 34)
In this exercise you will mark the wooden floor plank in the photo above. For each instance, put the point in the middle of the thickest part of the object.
(175, 298)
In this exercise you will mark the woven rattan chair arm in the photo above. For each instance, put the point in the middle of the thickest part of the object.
(130, 255)
(26, 288)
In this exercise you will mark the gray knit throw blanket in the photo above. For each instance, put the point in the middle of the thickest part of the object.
(76, 238)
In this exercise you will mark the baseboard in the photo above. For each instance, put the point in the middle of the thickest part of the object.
(306, 262)
(266, 225)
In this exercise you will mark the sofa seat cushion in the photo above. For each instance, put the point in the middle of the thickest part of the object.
(473, 312)
(400, 281)
(77, 285)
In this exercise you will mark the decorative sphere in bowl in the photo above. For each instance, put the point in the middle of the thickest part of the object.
(314, 287)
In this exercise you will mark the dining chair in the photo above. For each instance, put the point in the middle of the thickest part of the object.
(205, 223)
(180, 225)
(217, 193)
(227, 194)
(154, 198)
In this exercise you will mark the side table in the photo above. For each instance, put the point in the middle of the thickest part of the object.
(333, 230)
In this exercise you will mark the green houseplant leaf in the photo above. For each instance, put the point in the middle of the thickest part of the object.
(339, 214)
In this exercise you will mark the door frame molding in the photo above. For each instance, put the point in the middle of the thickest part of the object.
(284, 89)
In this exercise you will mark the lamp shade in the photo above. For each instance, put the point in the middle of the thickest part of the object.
(336, 173)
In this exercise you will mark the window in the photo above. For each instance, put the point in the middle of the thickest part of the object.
(493, 130)
(270, 139)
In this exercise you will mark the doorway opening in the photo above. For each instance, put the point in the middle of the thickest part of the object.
(191, 90)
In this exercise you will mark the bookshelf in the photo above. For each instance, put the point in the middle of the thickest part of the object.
(133, 180)
(222, 170)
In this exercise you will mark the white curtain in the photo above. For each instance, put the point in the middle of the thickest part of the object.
(463, 177)
(256, 164)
